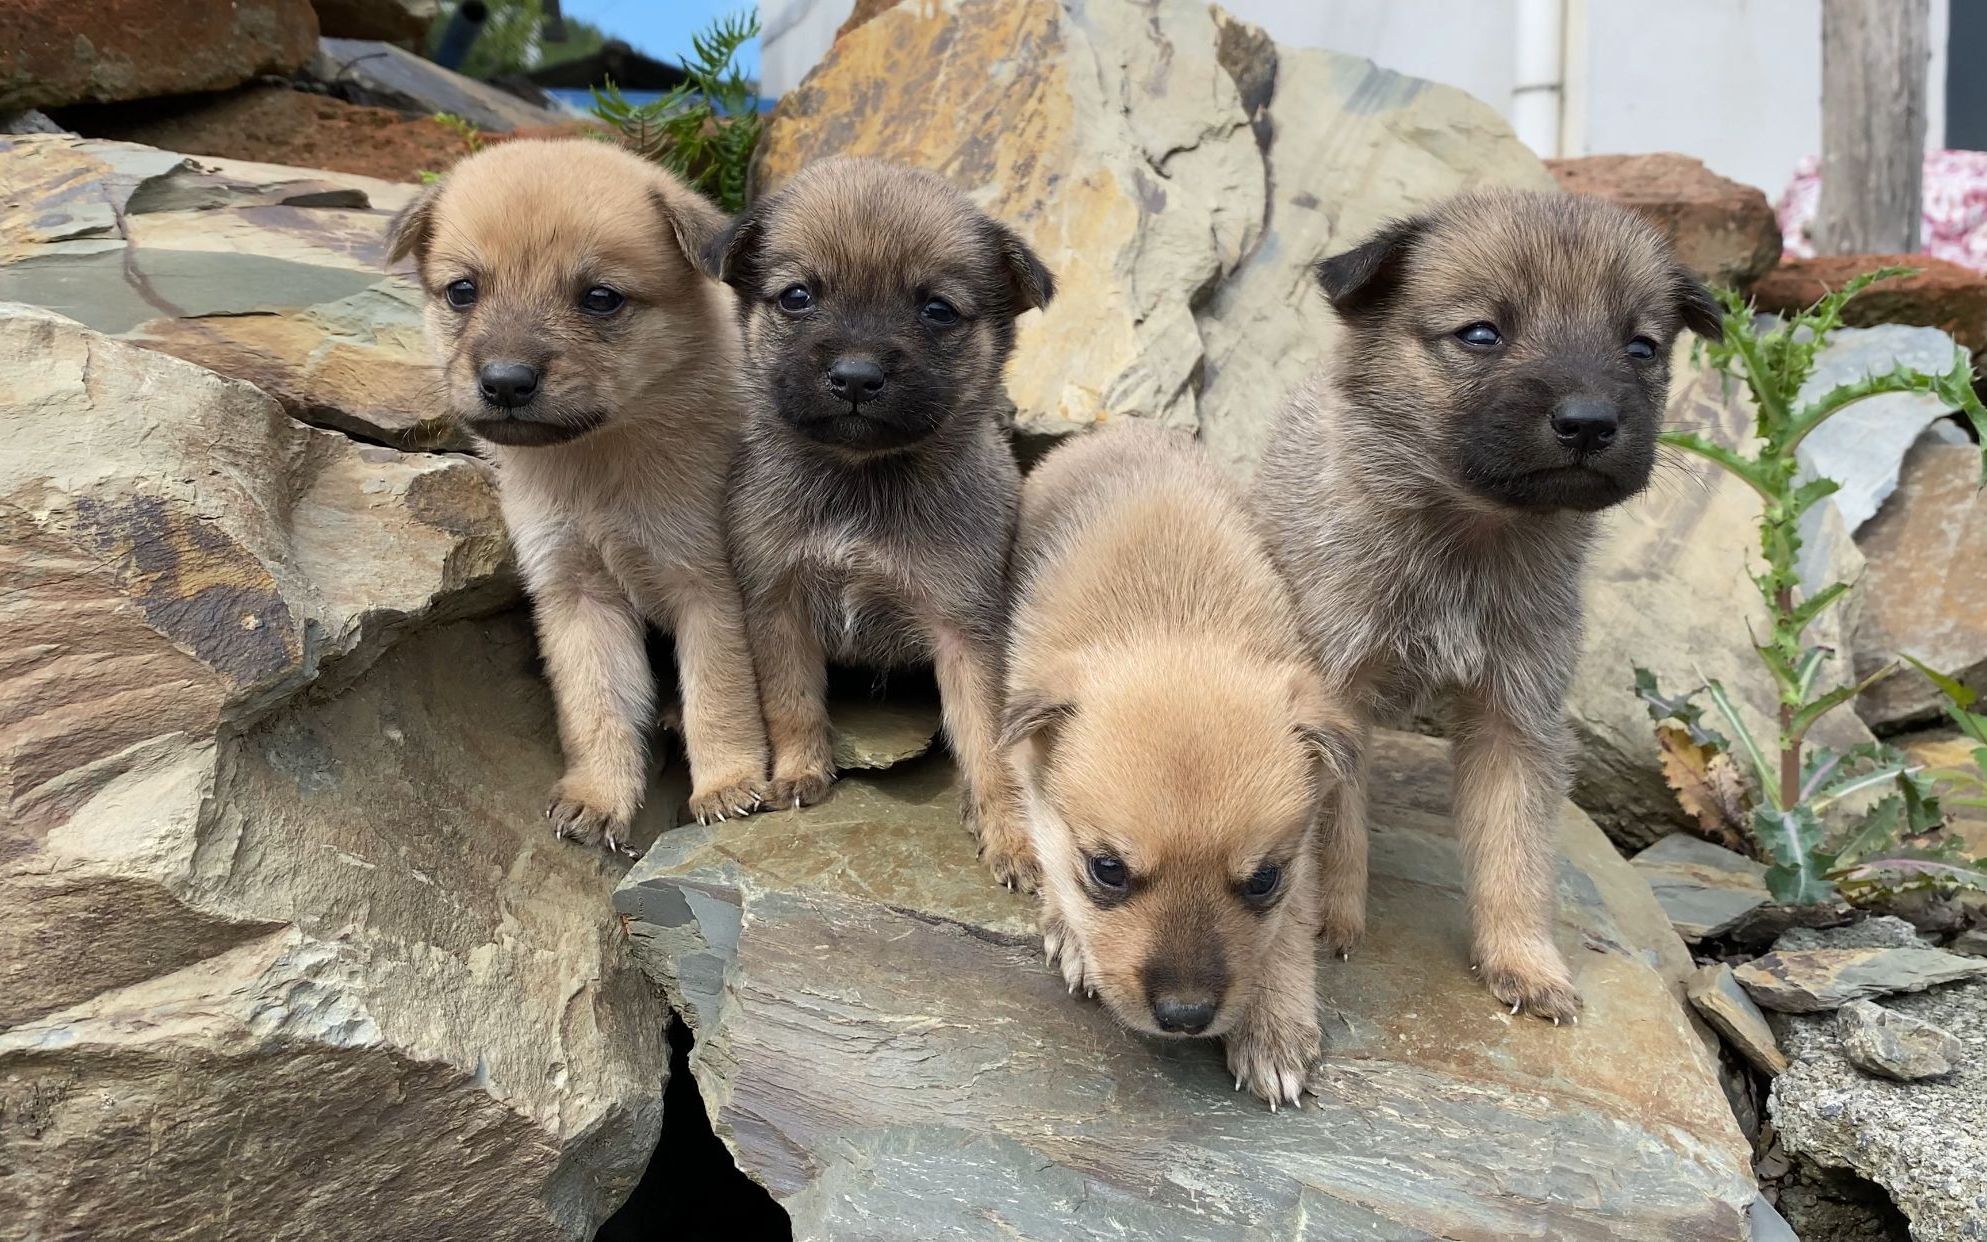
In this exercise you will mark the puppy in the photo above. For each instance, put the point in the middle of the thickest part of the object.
(873, 502)
(1431, 495)
(1171, 738)
(596, 364)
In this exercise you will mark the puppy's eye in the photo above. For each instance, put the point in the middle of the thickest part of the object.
(461, 294)
(1109, 872)
(939, 313)
(1481, 336)
(1263, 882)
(1642, 349)
(600, 300)
(796, 299)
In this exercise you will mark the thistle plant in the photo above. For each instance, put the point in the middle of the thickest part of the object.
(705, 128)
(1807, 811)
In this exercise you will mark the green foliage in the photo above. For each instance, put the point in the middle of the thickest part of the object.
(1811, 817)
(472, 137)
(513, 40)
(706, 129)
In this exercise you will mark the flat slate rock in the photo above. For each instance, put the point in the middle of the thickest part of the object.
(1896, 1045)
(1817, 980)
(1725, 1005)
(1704, 888)
(882, 1046)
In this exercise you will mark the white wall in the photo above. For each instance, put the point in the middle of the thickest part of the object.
(1736, 83)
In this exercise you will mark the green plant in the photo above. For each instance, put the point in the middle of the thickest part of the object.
(1966, 787)
(704, 129)
(1804, 814)
(472, 137)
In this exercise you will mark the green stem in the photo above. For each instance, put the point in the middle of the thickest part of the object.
(1790, 743)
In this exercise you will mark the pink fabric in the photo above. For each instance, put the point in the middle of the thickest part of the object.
(1955, 224)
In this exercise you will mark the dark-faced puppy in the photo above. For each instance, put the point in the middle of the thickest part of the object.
(1430, 494)
(597, 364)
(1171, 739)
(873, 503)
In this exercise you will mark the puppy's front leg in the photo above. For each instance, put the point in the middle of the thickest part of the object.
(723, 728)
(1341, 854)
(1277, 1043)
(1510, 776)
(591, 638)
(968, 670)
(793, 687)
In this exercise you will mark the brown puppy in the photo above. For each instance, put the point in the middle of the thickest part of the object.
(597, 365)
(1171, 738)
(873, 502)
(1431, 495)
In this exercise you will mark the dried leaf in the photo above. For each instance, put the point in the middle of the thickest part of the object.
(1708, 785)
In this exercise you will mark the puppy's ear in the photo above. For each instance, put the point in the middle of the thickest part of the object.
(1030, 283)
(1325, 728)
(413, 227)
(1028, 731)
(731, 254)
(1361, 280)
(691, 220)
(1698, 306)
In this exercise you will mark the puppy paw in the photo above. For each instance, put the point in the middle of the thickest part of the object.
(1275, 1060)
(732, 797)
(1006, 850)
(1340, 935)
(790, 791)
(1534, 979)
(578, 815)
(1065, 954)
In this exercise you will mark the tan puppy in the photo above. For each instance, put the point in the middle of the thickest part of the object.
(1431, 495)
(873, 503)
(584, 348)
(1171, 738)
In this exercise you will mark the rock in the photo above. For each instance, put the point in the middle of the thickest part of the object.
(884, 1049)
(1882, 931)
(1923, 1143)
(1926, 592)
(877, 733)
(1817, 980)
(1768, 1225)
(1722, 229)
(55, 52)
(1347, 146)
(1972, 942)
(1943, 295)
(1704, 888)
(281, 125)
(1669, 589)
(268, 274)
(276, 882)
(29, 121)
(389, 21)
(1119, 141)
(1896, 1045)
(369, 72)
(1725, 1005)
(1863, 446)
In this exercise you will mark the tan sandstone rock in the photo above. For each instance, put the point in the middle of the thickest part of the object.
(56, 52)
(286, 946)
(1723, 230)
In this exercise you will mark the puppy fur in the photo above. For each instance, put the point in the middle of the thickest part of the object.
(1171, 738)
(612, 468)
(873, 503)
(1431, 495)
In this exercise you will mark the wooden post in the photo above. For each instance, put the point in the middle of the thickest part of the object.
(1874, 56)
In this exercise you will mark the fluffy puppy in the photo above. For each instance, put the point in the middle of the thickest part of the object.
(1171, 738)
(873, 502)
(596, 365)
(1431, 494)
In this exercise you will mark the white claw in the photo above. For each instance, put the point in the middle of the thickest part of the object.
(1514, 1006)
(1272, 1106)
(1345, 955)
(1238, 1084)
(740, 811)
(1555, 1019)
(796, 802)
(1576, 1019)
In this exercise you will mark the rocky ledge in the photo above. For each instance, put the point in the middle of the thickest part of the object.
(883, 1048)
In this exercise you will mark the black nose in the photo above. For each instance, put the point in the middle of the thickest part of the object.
(1585, 423)
(508, 384)
(1188, 1015)
(855, 380)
